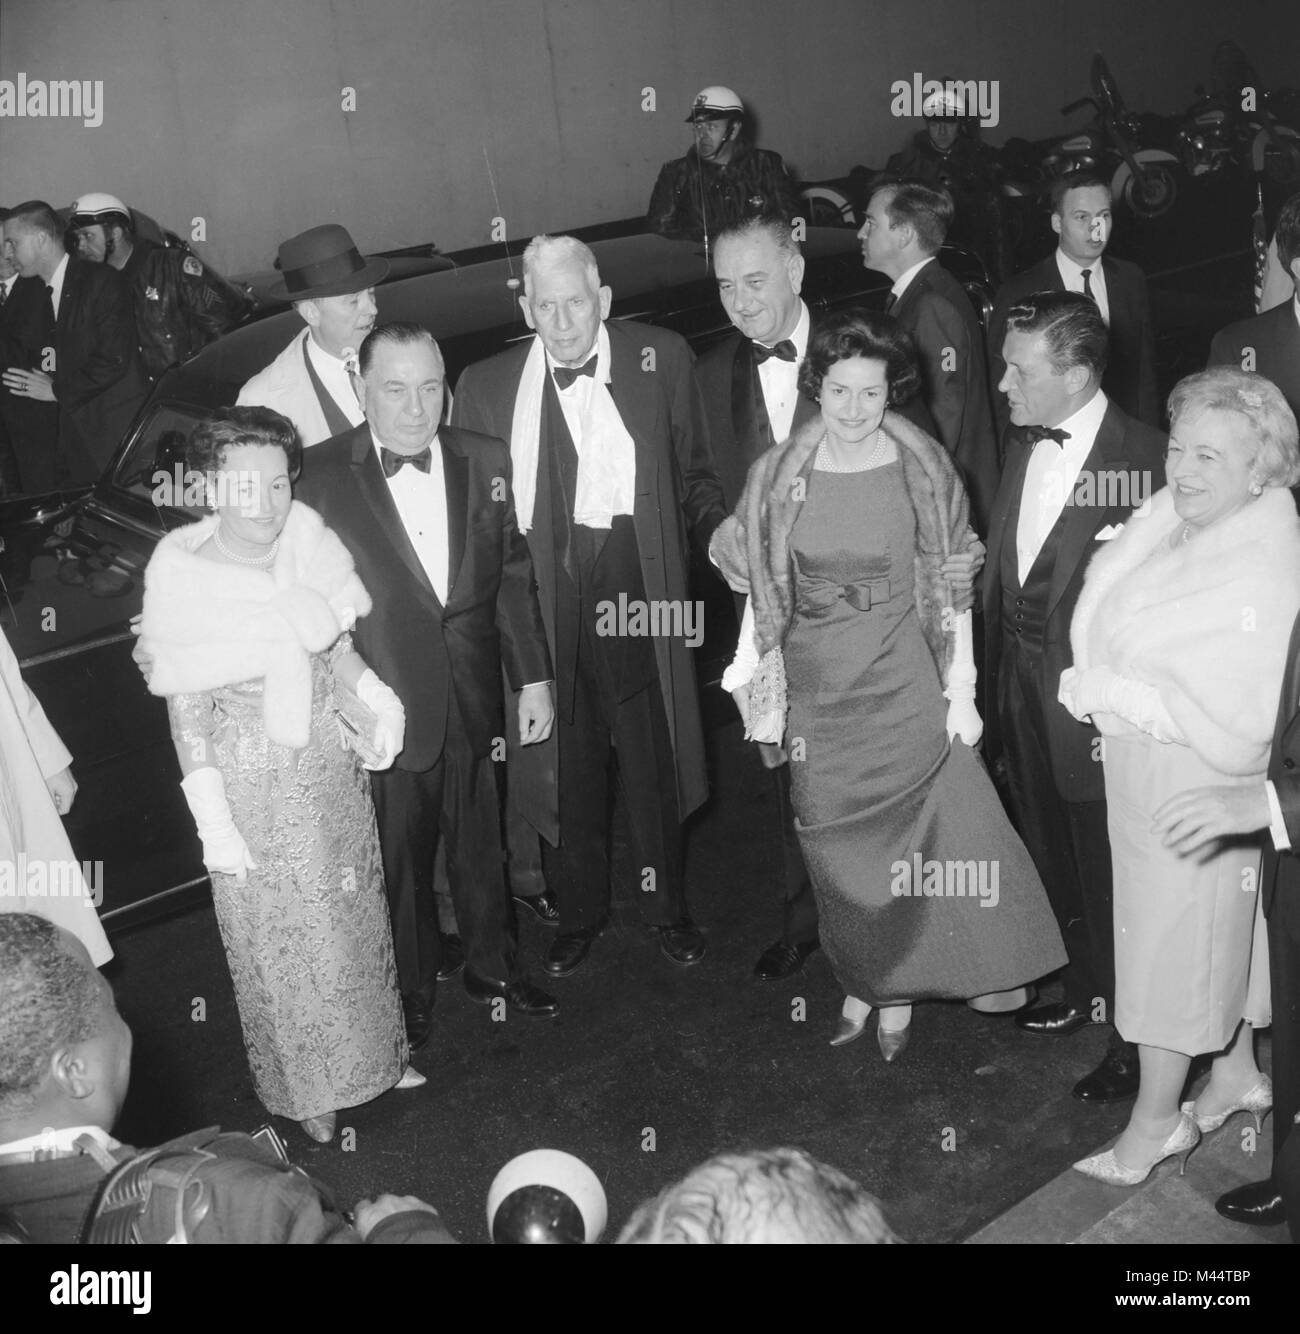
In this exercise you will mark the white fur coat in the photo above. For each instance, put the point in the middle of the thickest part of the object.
(208, 624)
(1206, 622)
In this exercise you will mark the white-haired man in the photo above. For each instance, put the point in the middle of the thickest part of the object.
(332, 286)
(611, 466)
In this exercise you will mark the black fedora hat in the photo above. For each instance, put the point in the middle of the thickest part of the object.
(324, 261)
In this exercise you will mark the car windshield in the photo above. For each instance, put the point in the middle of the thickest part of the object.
(154, 467)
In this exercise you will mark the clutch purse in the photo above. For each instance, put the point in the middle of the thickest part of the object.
(765, 720)
(358, 724)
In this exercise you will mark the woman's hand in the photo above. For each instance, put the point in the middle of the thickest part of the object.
(1083, 693)
(1194, 818)
(63, 789)
(224, 849)
(390, 733)
(961, 569)
(29, 384)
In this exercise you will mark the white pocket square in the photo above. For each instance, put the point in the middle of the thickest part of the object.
(1110, 531)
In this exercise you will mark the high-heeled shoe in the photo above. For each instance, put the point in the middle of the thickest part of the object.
(893, 1041)
(411, 1079)
(1106, 1167)
(846, 1029)
(320, 1128)
(1258, 1101)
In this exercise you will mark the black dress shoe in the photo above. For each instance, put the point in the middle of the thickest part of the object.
(519, 993)
(542, 906)
(1257, 1202)
(453, 958)
(783, 959)
(1056, 1019)
(569, 949)
(417, 1009)
(1114, 1080)
(682, 942)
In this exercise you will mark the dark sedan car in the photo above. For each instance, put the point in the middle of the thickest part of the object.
(72, 567)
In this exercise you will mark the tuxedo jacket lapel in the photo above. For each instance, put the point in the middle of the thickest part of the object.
(753, 430)
(455, 475)
(373, 490)
(630, 388)
(1013, 481)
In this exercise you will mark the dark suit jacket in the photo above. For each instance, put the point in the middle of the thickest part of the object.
(1273, 342)
(938, 314)
(1130, 379)
(417, 645)
(98, 379)
(1280, 875)
(655, 390)
(28, 426)
(1122, 444)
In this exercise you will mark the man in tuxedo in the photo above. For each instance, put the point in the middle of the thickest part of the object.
(1081, 218)
(10, 353)
(1073, 475)
(750, 387)
(611, 464)
(1202, 816)
(427, 514)
(84, 326)
(332, 287)
(1269, 344)
(906, 223)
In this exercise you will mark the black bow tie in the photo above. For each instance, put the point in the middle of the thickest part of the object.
(393, 461)
(1031, 435)
(566, 375)
(785, 349)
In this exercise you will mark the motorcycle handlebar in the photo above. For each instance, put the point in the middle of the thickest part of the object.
(1082, 102)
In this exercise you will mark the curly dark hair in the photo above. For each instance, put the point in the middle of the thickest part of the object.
(235, 427)
(47, 999)
(857, 332)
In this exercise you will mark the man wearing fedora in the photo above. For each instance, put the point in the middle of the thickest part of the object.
(332, 287)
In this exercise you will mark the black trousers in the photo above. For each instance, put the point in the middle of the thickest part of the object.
(1284, 969)
(798, 906)
(1068, 840)
(629, 737)
(455, 802)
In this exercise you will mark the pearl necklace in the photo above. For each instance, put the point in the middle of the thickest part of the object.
(244, 560)
(824, 463)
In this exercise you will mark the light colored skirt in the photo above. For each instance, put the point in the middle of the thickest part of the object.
(1191, 959)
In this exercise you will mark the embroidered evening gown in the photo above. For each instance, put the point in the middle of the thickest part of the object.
(307, 934)
(877, 790)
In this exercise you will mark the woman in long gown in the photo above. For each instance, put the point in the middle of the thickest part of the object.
(1180, 639)
(245, 627)
(923, 889)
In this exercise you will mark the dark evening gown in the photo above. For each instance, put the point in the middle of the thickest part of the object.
(875, 783)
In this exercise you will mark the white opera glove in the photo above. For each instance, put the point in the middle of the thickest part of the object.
(390, 734)
(1100, 690)
(963, 717)
(741, 670)
(224, 849)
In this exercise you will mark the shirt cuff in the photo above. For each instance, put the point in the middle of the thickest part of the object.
(1277, 825)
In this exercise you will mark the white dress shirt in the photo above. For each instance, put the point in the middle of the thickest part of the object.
(1050, 478)
(576, 399)
(1072, 276)
(62, 1140)
(56, 285)
(904, 280)
(7, 285)
(780, 379)
(333, 372)
(421, 500)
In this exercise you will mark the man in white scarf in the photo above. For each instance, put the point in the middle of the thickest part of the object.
(610, 468)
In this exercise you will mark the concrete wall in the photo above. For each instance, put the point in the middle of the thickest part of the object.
(231, 110)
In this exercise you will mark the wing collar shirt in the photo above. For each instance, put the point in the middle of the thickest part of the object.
(780, 379)
(56, 285)
(421, 501)
(1072, 276)
(333, 372)
(1050, 480)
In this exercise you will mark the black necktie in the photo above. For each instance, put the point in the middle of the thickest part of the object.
(1031, 435)
(393, 461)
(1087, 285)
(785, 350)
(890, 302)
(566, 375)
